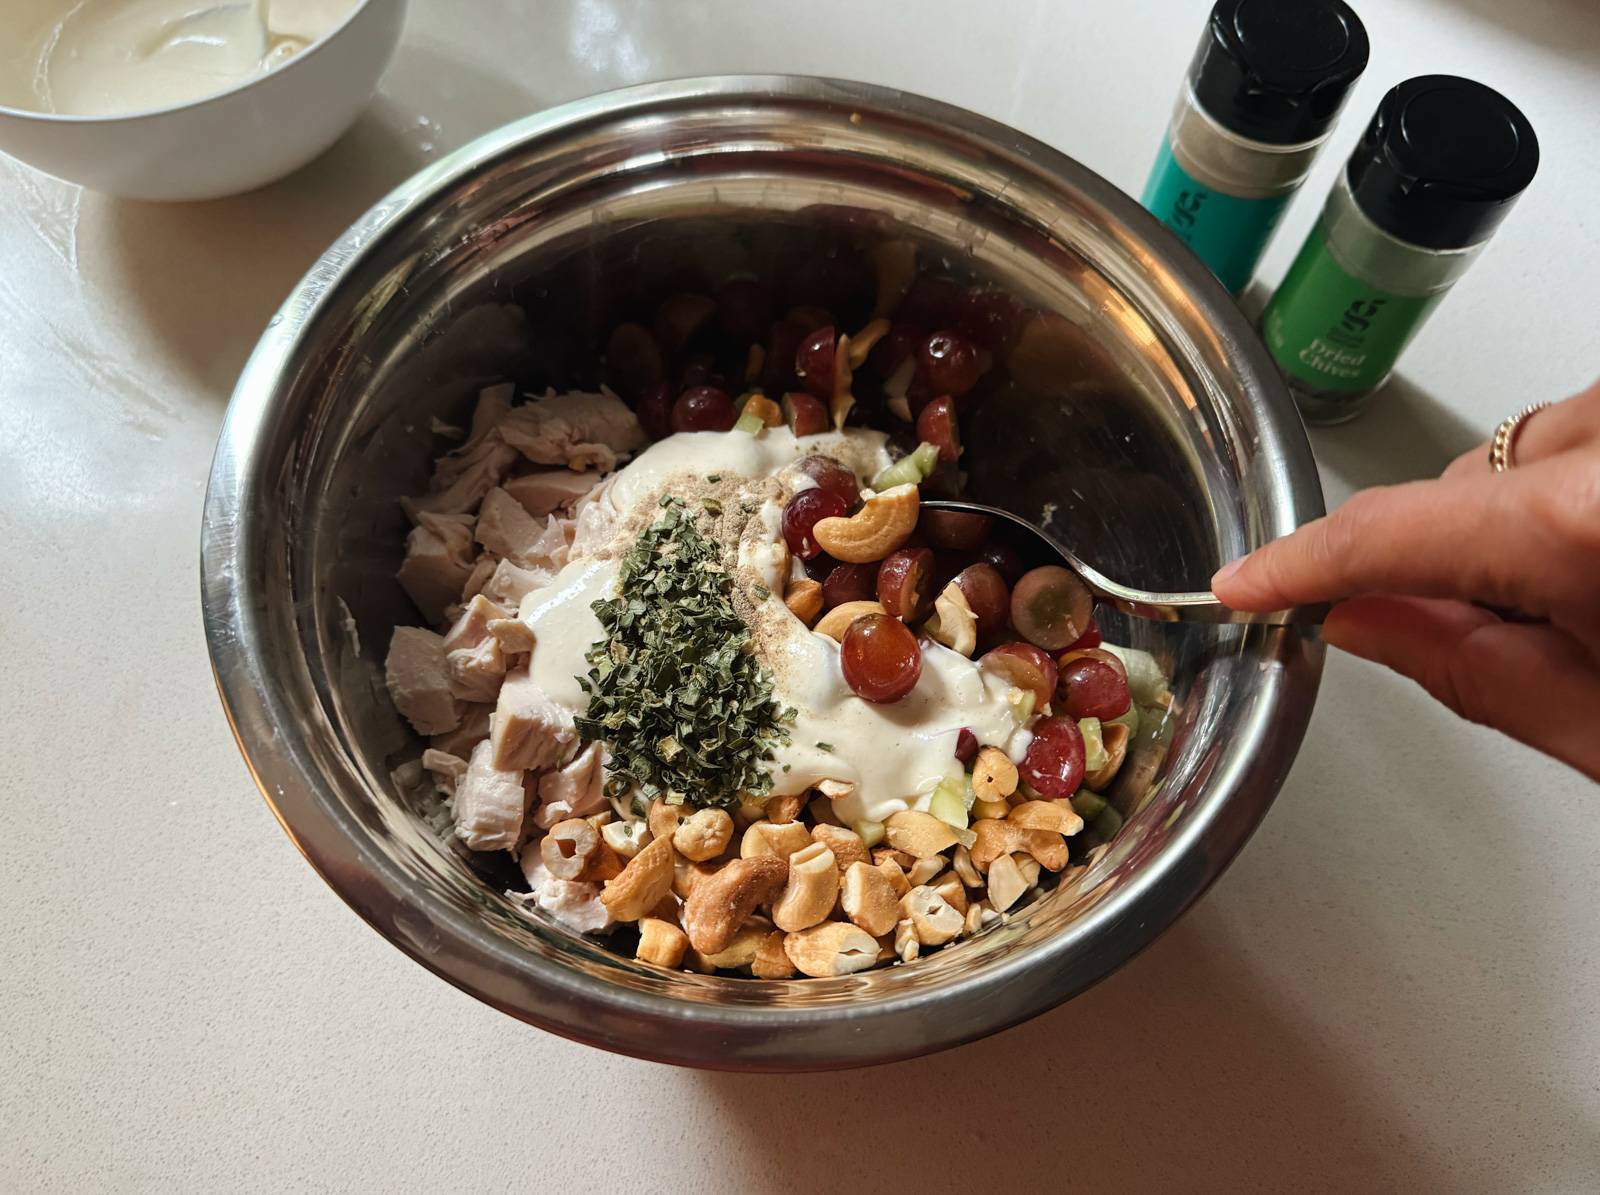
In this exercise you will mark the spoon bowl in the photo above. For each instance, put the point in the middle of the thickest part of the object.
(1202, 606)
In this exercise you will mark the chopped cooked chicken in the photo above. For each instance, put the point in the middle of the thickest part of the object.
(472, 628)
(594, 520)
(493, 404)
(549, 490)
(438, 562)
(478, 577)
(490, 803)
(476, 672)
(575, 790)
(529, 730)
(478, 469)
(571, 902)
(513, 634)
(447, 769)
(511, 583)
(419, 681)
(581, 431)
(473, 730)
(509, 531)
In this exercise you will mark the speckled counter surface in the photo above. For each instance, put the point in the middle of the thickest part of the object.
(1394, 988)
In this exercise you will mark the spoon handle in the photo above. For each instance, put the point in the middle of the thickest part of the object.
(1200, 607)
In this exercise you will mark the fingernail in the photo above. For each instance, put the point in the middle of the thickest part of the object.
(1225, 572)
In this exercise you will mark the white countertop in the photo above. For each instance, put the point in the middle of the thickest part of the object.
(1395, 987)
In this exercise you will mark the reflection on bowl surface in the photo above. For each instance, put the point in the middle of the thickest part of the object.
(1143, 424)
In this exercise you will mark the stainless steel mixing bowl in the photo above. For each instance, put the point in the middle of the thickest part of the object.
(1144, 422)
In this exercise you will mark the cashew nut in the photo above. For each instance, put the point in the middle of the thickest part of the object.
(624, 837)
(994, 776)
(764, 409)
(979, 915)
(781, 841)
(920, 835)
(1055, 816)
(846, 845)
(663, 818)
(784, 809)
(742, 951)
(905, 941)
(989, 809)
(770, 961)
(931, 916)
(837, 621)
(1028, 866)
(996, 838)
(869, 899)
(832, 948)
(705, 834)
(804, 600)
(661, 943)
(950, 887)
(896, 875)
(962, 862)
(1114, 738)
(718, 904)
(884, 522)
(1006, 883)
(953, 623)
(642, 883)
(813, 886)
(569, 848)
(901, 859)
(924, 870)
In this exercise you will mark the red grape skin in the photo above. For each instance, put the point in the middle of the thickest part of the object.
(702, 409)
(1004, 557)
(936, 425)
(1092, 653)
(833, 478)
(966, 745)
(655, 411)
(1025, 666)
(986, 592)
(947, 363)
(804, 511)
(955, 530)
(850, 583)
(881, 658)
(905, 583)
(896, 346)
(813, 361)
(1053, 765)
(1093, 689)
(1050, 607)
(783, 341)
(804, 413)
(1090, 638)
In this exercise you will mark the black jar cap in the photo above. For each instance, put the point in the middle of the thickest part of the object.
(1442, 162)
(1278, 71)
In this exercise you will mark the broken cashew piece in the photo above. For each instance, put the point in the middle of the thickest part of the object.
(660, 942)
(703, 835)
(953, 623)
(643, 882)
(783, 810)
(778, 840)
(994, 776)
(905, 941)
(932, 917)
(569, 848)
(770, 961)
(1006, 883)
(719, 903)
(869, 899)
(837, 621)
(1055, 816)
(920, 835)
(832, 948)
(846, 845)
(813, 886)
(995, 838)
(804, 600)
(884, 522)
(1114, 738)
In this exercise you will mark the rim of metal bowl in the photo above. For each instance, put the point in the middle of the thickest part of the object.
(562, 1000)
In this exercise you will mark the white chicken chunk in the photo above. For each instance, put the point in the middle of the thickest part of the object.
(549, 490)
(480, 576)
(490, 803)
(447, 769)
(473, 730)
(494, 402)
(507, 530)
(581, 431)
(575, 904)
(576, 790)
(473, 656)
(529, 730)
(439, 559)
(463, 478)
(419, 682)
(511, 583)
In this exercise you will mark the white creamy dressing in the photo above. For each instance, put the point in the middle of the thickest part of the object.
(894, 753)
(110, 57)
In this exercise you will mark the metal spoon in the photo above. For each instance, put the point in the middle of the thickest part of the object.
(1162, 607)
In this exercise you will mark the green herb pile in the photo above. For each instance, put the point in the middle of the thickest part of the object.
(675, 689)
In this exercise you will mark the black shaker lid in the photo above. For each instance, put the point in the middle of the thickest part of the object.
(1443, 161)
(1278, 71)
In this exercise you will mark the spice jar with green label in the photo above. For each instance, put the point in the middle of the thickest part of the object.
(1437, 170)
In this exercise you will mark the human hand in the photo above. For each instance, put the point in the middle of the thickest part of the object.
(1411, 568)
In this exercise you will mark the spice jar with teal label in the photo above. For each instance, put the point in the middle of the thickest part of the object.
(1437, 170)
(1261, 96)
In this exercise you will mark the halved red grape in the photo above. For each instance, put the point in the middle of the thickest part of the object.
(777, 371)
(819, 566)
(1004, 557)
(813, 361)
(881, 658)
(633, 361)
(804, 511)
(702, 409)
(955, 530)
(744, 309)
(804, 413)
(1090, 638)
(1026, 667)
(936, 425)
(680, 316)
(698, 370)
(833, 477)
(850, 583)
(655, 411)
(1092, 653)
(1053, 764)
(932, 302)
(988, 595)
(1093, 689)
(966, 745)
(1050, 607)
(947, 363)
(905, 583)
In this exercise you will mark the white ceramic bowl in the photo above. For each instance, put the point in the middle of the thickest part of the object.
(225, 143)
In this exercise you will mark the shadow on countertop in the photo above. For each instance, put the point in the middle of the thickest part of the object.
(1569, 27)
(1406, 435)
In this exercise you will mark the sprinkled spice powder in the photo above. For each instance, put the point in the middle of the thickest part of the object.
(675, 687)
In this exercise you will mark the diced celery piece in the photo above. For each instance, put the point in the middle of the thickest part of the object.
(869, 832)
(912, 469)
(1107, 822)
(1129, 719)
(1146, 682)
(1088, 805)
(1024, 708)
(1094, 747)
(949, 804)
(750, 424)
